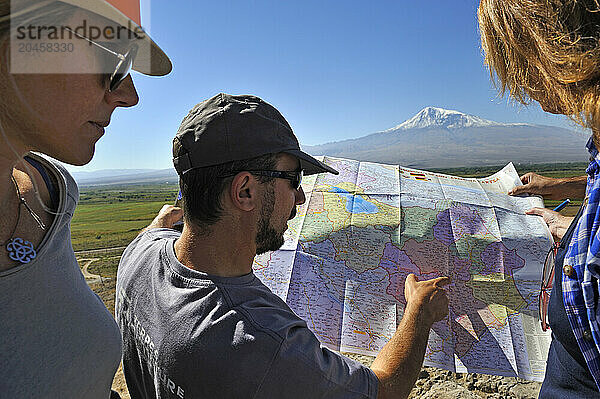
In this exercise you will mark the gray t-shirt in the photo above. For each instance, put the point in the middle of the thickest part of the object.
(57, 339)
(187, 334)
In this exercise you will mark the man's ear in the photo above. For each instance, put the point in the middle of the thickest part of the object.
(243, 191)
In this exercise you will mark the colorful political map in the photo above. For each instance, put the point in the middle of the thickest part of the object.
(360, 233)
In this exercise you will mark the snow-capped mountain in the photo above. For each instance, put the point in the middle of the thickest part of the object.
(440, 138)
(432, 116)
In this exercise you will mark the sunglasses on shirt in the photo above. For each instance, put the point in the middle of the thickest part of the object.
(546, 287)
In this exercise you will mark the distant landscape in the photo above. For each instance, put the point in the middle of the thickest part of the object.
(125, 176)
(441, 138)
(434, 139)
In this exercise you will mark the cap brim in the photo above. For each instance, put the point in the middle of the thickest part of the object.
(153, 61)
(311, 165)
(150, 59)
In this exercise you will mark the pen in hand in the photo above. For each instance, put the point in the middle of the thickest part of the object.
(561, 205)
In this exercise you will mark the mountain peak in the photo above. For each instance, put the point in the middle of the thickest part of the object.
(430, 117)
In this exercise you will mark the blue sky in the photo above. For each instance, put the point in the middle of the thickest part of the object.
(335, 69)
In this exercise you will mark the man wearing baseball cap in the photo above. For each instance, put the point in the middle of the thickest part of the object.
(195, 320)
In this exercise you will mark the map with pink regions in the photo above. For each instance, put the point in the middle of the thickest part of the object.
(348, 253)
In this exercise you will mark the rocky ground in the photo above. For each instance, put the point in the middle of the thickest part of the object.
(440, 384)
(435, 383)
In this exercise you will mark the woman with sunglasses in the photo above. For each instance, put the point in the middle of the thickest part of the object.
(549, 51)
(60, 82)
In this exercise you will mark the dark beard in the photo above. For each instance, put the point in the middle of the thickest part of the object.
(267, 238)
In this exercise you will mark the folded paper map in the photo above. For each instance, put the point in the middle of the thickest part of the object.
(360, 233)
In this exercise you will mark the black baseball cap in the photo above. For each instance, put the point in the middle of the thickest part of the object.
(228, 128)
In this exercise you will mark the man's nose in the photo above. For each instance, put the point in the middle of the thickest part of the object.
(300, 197)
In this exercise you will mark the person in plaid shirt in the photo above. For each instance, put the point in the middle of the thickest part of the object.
(549, 51)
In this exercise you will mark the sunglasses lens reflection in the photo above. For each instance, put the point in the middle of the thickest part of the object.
(122, 69)
(298, 181)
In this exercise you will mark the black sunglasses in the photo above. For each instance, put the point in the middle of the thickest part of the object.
(123, 65)
(294, 176)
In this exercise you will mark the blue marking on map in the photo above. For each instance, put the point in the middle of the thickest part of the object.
(355, 203)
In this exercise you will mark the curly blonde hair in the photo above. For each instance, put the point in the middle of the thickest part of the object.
(547, 51)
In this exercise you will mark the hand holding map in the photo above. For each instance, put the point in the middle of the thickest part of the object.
(557, 223)
(551, 188)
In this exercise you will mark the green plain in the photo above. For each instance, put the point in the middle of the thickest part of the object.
(112, 216)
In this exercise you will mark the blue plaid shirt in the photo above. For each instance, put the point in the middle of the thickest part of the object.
(580, 290)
